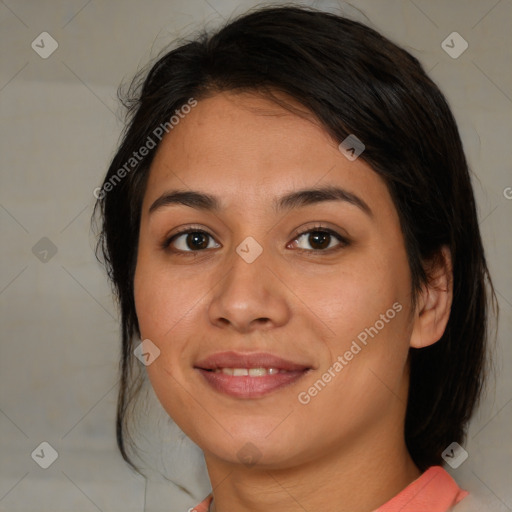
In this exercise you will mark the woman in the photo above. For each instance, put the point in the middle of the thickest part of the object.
(290, 228)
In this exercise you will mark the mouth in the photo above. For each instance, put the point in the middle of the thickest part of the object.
(249, 375)
(252, 372)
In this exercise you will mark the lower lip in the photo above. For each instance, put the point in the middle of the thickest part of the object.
(247, 386)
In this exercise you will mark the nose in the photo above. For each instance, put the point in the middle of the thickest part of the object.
(251, 296)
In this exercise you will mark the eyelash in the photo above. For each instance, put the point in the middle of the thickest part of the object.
(316, 229)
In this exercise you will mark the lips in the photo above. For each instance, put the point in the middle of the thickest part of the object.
(248, 360)
(246, 375)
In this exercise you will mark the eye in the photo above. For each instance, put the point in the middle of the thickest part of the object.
(191, 240)
(319, 239)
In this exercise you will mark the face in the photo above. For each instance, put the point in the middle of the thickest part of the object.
(282, 316)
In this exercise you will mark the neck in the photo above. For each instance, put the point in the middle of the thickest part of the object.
(343, 480)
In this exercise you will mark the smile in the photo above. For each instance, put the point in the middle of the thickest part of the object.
(246, 375)
(252, 372)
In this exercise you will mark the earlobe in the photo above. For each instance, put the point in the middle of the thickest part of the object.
(434, 301)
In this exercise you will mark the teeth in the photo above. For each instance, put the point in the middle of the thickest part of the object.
(252, 372)
(257, 372)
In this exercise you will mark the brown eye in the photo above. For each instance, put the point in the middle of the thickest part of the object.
(319, 240)
(191, 241)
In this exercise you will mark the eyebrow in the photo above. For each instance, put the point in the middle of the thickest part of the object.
(297, 199)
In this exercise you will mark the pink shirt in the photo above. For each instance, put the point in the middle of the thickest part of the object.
(434, 491)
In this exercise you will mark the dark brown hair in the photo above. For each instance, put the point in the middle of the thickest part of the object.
(354, 81)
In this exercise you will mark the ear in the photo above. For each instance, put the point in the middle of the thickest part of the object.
(434, 301)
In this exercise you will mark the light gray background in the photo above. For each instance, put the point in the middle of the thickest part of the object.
(60, 341)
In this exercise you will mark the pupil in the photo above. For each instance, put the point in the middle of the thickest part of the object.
(319, 238)
(197, 241)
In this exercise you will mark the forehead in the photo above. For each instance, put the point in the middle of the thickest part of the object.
(245, 146)
(244, 129)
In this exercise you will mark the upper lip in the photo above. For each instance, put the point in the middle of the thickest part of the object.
(248, 360)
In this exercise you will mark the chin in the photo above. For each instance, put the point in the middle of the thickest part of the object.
(261, 452)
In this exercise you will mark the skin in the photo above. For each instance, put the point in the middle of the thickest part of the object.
(344, 450)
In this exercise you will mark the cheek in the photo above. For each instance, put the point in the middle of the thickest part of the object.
(167, 306)
(363, 378)
(161, 298)
(366, 306)
(354, 297)
(161, 308)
